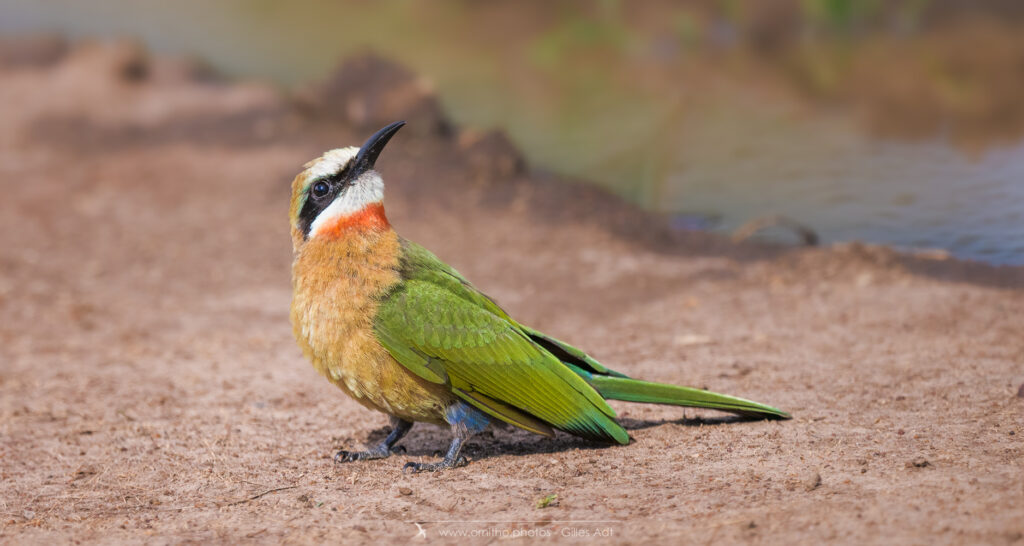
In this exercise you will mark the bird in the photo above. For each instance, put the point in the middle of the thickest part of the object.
(404, 333)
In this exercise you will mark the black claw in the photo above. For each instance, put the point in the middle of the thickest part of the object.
(381, 450)
(434, 467)
(344, 456)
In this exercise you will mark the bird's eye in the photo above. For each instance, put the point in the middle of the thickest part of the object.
(321, 189)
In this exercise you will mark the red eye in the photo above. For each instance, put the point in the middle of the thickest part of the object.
(320, 189)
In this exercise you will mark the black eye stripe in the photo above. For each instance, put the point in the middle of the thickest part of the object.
(315, 204)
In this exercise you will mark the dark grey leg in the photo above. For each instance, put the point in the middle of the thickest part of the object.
(452, 459)
(465, 421)
(384, 449)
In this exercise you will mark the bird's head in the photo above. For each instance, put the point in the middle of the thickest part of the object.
(340, 191)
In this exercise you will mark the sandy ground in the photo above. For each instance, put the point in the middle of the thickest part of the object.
(150, 389)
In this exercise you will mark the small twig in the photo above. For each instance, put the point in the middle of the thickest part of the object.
(267, 492)
(807, 235)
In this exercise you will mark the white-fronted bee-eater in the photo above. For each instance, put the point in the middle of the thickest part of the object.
(405, 334)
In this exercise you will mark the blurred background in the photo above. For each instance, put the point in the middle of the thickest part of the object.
(897, 122)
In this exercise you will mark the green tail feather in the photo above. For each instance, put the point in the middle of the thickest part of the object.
(633, 390)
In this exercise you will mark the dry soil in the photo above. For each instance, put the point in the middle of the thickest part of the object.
(151, 391)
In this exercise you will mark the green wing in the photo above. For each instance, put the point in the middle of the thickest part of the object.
(422, 265)
(444, 330)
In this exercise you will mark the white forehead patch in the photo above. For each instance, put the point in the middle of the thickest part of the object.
(330, 163)
(367, 189)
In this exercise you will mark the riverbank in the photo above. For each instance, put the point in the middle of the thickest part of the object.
(150, 387)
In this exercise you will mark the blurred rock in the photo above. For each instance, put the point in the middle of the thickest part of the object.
(183, 69)
(124, 60)
(491, 153)
(107, 95)
(369, 92)
(35, 51)
(769, 24)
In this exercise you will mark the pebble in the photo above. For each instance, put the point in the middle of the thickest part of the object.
(812, 481)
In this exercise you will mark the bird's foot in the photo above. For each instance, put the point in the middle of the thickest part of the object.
(380, 452)
(447, 463)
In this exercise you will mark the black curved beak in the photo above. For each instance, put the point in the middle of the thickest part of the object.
(372, 148)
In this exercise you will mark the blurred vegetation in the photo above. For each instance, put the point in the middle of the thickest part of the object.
(661, 101)
(839, 15)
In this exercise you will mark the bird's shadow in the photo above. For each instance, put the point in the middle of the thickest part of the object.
(500, 439)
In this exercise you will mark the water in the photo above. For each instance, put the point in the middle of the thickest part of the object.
(848, 186)
(603, 100)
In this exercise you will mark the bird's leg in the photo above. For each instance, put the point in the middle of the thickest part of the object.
(399, 428)
(465, 421)
(451, 459)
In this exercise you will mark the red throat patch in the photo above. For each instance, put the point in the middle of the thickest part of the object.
(370, 217)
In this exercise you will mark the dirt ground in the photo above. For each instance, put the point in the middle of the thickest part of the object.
(151, 391)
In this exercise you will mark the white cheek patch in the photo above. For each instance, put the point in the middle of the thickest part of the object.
(367, 189)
